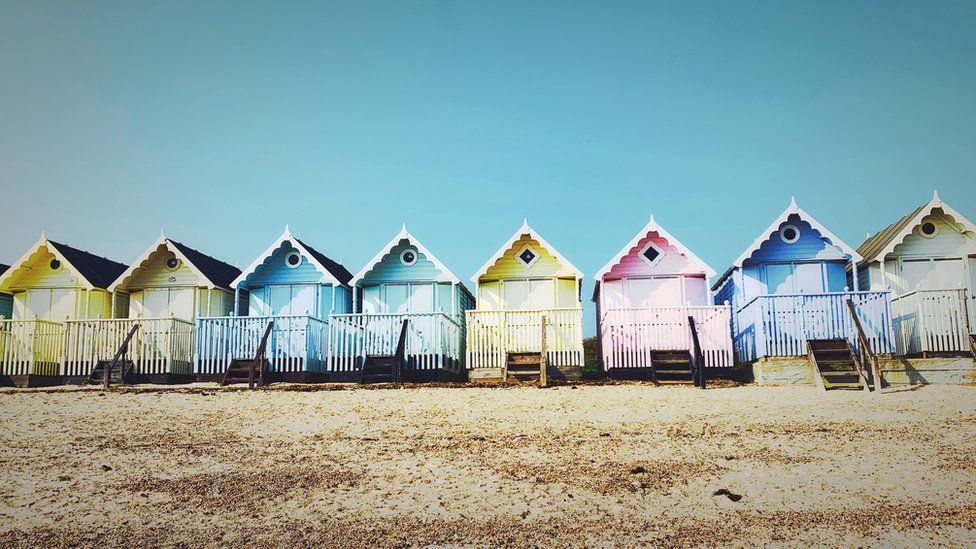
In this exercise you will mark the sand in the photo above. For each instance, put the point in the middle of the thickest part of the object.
(611, 465)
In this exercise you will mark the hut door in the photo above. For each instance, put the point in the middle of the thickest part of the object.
(181, 303)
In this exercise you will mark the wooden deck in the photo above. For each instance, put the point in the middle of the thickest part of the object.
(434, 341)
(30, 347)
(492, 335)
(629, 336)
(161, 346)
(932, 322)
(297, 343)
(780, 325)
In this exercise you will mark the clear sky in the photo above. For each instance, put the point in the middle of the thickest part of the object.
(222, 123)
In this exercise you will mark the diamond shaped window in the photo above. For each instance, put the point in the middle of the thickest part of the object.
(651, 254)
(527, 256)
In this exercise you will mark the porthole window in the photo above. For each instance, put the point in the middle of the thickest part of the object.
(172, 263)
(55, 265)
(790, 234)
(928, 229)
(408, 257)
(293, 260)
(527, 256)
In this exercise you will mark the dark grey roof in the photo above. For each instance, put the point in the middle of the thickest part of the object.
(3, 268)
(220, 274)
(871, 247)
(98, 271)
(338, 271)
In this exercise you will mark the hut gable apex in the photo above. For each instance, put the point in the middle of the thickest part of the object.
(332, 272)
(876, 247)
(210, 272)
(794, 210)
(92, 271)
(635, 248)
(445, 275)
(526, 231)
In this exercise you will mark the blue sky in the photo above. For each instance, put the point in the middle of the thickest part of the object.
(223, 122)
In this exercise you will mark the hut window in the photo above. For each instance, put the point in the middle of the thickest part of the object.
(293, 260)
(527, 256)
(172, 263)
(929, 229)
(650, 254)
(408, 257)
(55, 265)
(790, 234)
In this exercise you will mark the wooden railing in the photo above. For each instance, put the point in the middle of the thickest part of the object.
(162, 345)
(628, 335)
(297, 342)
(434, 340)
(931, 321)
(867, 361)
(697, 355)
(30, 347)
(779, 325)
(491, 335)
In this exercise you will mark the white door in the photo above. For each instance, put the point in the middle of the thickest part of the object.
(303, 300)
(654, 292)
(779, 279)
(38, 304)
(279, 300)
(421, 298)
(396, 298)
(372, 302)
(541, 294)
(155, 303)
(915, 275)
(808, 278)
(181, 303)
(516, 294)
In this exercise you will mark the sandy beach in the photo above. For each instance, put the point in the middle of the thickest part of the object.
(617, 465)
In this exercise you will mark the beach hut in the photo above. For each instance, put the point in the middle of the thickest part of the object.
(405, 298)
(524, 286)
(928, 261)
(166, 288)
(290, 289)
(50, 284)
(6, 300)
(789, 287)
(645, 296)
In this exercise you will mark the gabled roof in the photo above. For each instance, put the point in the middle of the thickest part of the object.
(446, 274)
(331, 271)
(94, 271)
(525, 229)
(3, 268)
(653, 227)
(793, 209)
(884, 242)
(214, 271)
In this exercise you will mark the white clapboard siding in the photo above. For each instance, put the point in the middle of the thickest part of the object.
(30, 347)
(931, 321)
(491, 335)
(628, 335)
(780, 325)
(297, 343)
(161, 345)
(434, 340)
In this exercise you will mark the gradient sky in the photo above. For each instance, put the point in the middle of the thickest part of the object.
(223, 122)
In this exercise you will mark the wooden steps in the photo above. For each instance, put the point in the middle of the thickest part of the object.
(672, 367)
(972, 345)
(117, 371)
(523, 366)
(239, 371)
(378, 369)
(834, 364)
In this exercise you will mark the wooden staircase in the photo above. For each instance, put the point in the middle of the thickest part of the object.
(672, 367)
(115, 370)
(972, 345)
(835, 365)
(529, 366)
(386, 368)
(252, 371)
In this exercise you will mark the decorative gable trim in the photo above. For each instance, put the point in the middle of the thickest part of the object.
(445, 274)
(936, 203)
(327, 277)
(43, 242)
(525, 229)
(161, 241)
(652, 226)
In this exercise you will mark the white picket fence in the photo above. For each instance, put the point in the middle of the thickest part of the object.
(931, 321)
(30, 347)
(161, 345)
(297, 343)
(629, 335)
(491, 335)
(434, 340)
(780, 325)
